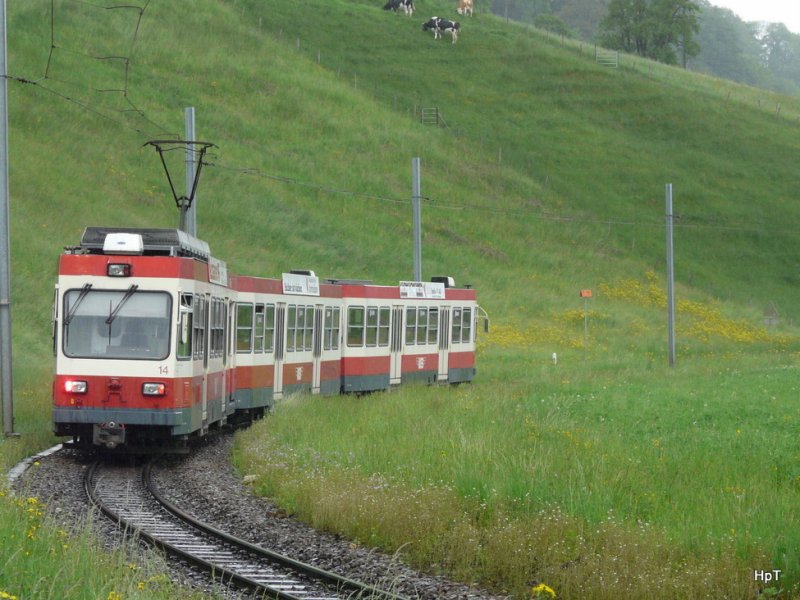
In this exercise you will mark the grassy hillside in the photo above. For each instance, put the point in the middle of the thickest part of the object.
(548, 178)
(552, 168)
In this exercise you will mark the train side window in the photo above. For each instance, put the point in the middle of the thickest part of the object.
(337, 326)
(332, 320)
(355, 326)
(244, 327)
(221, 322)
(457, 325)
(433, 325)
(372, 326)
(269, 328)
(383, 326)
(218, 328)
(223, 330)
(411, 325)
(185, 327)
(54, 323)
(213, 323)
(212, 312)
(291, 327)
(199, 336)
(309, 328)
(328, 329)
(422, 325)
(466, 326)
(258, 329)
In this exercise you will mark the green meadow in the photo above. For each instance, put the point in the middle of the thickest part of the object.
(600, 476)
(604, 473)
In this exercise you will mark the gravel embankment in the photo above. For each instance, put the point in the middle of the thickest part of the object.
(206, 485)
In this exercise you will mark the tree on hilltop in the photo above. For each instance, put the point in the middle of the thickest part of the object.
(663, 30)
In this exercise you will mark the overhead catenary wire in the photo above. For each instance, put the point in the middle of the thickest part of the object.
(88, 107)
(111, 115)
(47, 82)
(320, 187)
(682, 221)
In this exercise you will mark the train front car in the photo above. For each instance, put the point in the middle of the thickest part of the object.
(141, 321)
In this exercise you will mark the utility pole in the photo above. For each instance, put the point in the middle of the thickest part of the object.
(417, 218)
(670, 281)
(6, 387)
(191, 168)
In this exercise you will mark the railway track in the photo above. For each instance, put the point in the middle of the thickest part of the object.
(126, 495)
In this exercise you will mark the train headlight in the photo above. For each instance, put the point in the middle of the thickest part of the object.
(73, 386)
(154, 389)
(118, 270)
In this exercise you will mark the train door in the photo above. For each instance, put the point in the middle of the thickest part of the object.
(396, 347)
(280, 348)
(230, 353)
(207, 321)
(444, 343)
(317, 350)
(221, 349)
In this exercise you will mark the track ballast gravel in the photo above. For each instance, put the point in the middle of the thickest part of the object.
(206, 485)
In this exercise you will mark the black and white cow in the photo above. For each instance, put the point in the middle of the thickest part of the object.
(441, 26)
(407, 6)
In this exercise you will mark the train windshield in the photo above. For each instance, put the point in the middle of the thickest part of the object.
(116, 324)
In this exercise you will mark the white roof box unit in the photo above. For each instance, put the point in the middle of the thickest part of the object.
(123, 243)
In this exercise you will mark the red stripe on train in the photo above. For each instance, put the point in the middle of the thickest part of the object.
(162, 267)
(420, 362)
(262, 376)
(365, 365)
(393, 293)
(126, 392)
(461, 360)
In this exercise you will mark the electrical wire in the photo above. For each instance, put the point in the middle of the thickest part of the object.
(683, 221)
(126, 60)
(493, 208)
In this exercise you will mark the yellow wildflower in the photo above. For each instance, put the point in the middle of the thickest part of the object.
(542, 590)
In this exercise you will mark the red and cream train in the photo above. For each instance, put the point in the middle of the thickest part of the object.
(156, 343)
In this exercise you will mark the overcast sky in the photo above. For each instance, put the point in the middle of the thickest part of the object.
(774, 11)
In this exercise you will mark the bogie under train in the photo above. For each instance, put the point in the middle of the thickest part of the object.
(155, 342)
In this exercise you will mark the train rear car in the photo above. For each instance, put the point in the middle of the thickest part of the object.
(296, 334)
(141, 337)
(415, 331)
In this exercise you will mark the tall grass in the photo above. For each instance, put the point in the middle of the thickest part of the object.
(602, 482)
(604, 474)
(42, 558)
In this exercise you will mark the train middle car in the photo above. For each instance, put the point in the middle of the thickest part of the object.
(156, 343)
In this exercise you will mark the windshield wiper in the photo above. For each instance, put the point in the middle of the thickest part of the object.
(84, 290)
(113, 314)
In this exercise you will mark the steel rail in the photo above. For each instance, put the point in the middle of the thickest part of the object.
(220, 572)
(341, 582)
(204, 565)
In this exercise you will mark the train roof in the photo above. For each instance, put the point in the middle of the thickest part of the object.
(145, 241)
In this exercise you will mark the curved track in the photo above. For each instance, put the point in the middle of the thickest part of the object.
(126, 495)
